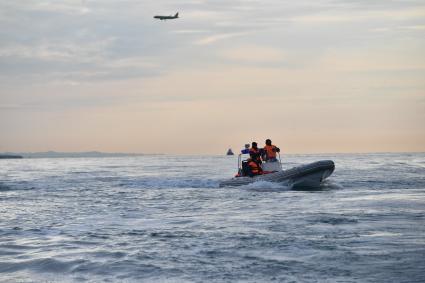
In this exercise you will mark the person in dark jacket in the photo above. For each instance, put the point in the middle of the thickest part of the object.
(255, 153)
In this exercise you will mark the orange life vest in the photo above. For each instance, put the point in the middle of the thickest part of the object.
(270, 151)
(255, 169)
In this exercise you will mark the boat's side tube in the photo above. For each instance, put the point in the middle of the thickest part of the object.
(240, 163)
(280, 161)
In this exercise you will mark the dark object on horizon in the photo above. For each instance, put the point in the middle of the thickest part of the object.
(7, 156)
(176, 16)
(230, 152)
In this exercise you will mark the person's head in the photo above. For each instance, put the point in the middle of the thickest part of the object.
(254, 144)
(268, 142)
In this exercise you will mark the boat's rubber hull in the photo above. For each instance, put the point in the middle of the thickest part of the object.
(304, 176)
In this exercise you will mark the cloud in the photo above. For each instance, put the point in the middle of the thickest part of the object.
(219, 37)
(254, 54)
(11, 106)
(106, 37)
(67, 7)
(190, 31)
(415, 27)
(390, 15)
(62, 51)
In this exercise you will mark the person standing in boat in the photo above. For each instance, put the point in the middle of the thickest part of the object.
(255, 153)
(270, 151)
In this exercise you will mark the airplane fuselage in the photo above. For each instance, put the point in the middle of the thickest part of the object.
(176, 16)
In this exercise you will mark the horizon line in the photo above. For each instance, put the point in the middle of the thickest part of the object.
(199, 154)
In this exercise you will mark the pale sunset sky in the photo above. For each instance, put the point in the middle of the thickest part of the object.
(314, 76)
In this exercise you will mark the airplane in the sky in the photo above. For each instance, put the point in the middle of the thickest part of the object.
(167, 17)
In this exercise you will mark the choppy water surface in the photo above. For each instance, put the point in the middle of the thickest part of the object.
(161, 218)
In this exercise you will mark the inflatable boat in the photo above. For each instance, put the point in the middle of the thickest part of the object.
(301, 177)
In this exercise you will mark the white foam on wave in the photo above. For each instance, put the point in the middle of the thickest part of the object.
(170, 183)
(331, 185)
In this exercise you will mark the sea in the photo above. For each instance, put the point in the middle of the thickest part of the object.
(161, 218)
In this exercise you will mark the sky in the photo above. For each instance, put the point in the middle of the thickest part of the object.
(314, 76)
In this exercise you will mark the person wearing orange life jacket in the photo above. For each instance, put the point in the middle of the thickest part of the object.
(270, 151)
(255, 153)
(254, 168)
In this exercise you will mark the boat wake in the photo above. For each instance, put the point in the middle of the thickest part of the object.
(159, 183)
(331, 185)
(261, 184)
(266, 186)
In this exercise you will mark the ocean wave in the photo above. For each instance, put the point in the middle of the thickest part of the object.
(3, 187)
(264, 185)
(159, 183)
(333, 219)
(12, 186)
(41, 264)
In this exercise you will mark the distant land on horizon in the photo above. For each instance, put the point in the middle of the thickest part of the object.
(55, 154)
(10, 156)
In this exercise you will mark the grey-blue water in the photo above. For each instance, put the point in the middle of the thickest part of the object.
(164, 219)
